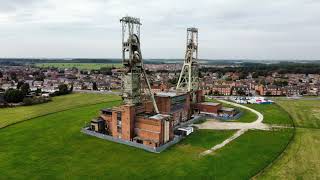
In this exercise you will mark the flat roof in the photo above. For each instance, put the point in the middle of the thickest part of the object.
(210, 103)
(106, 110)
(227, 109)
(167, 94)
(159, 116)
(185, 128)
(170, 94)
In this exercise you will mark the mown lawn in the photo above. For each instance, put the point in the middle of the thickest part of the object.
(82, 66)
(273, 114)
(52, 147)
(13, 115)
(301, 160)
(306, 113)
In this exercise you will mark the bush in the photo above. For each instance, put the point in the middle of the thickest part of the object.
(63, 90)
(28, 101)
(13, 96)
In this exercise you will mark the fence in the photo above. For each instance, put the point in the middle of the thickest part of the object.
(130, 143)
(225, 118)
(191, 121)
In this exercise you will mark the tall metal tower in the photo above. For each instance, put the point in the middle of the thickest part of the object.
(189, 76)
(134, 72)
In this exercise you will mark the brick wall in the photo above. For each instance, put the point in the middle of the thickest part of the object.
(164, 104)
(209, 108)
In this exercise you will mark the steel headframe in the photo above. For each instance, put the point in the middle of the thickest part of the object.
(189, 76)
(132, 61)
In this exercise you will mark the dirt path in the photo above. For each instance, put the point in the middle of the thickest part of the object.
(241, 127)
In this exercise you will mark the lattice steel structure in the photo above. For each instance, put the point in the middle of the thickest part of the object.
(134, 73)
(189, 76)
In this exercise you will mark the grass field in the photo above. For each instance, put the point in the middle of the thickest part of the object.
(305, 113)
(14, 115)
(301, 160)
(52, 147)
(82, 66)
(273, 114)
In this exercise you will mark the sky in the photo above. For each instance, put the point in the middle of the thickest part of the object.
(228, 29)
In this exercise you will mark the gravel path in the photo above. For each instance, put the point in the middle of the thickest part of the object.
(241, 127)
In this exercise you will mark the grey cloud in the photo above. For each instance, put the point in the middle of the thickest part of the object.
(228, 28)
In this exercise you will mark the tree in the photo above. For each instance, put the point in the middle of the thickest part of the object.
(71, 88)
(1, 74)
(13, 96)
(216, 93)
(106, 70)
(38, 91)
(268, 93)
(13, 76)
(20, 83)
(25, 89)
(173, 81)
(255, 75)
(94, 86)
(241, 92)
(63, 89)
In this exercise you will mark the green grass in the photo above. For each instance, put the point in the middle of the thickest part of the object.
(247, 116)
(306, 113)
(52, 147)
(273, 114)
(301, 160)
(204, 138)
(17, 114)
(82, 66)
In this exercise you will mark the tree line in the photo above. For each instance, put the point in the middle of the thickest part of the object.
(258, 69)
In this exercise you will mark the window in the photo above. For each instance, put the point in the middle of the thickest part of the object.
(119, 122)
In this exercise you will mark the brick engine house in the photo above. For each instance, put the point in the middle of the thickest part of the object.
(146, 119)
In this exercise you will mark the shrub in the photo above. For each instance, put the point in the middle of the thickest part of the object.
(13, 96)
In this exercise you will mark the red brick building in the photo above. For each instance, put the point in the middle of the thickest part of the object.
(134, 123)
(140, 124)
(176, 105)
(209, 107)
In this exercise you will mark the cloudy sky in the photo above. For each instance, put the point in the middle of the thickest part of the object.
(228, 29)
